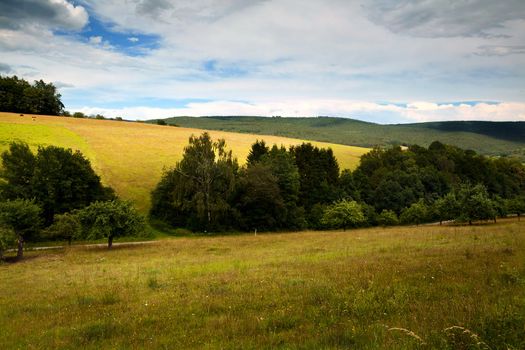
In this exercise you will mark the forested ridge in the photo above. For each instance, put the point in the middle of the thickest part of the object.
(488, 138)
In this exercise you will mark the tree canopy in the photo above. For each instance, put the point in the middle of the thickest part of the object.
(19, 96)
(58, 179)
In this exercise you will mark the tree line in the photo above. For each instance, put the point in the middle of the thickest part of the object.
(19, 96)
(56, 194)
(302, 187)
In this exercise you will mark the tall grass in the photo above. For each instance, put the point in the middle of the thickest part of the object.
(426, 287)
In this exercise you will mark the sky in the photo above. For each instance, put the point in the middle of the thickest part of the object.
(382, 61)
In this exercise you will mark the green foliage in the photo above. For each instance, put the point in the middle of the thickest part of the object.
(283, 167)
(196, 193)
(161, 122)
(446, 207)
(65, 226)
(22, 217)
(387, 218)
(17, 95)
(516, 206)
(259, 201)
(7, 239)
(318, 175)
(58, 179)
(110, 219)
(79, 115)
(18, 165)
(257, 151)
(475, 203)
(417, 213)
(343, 214)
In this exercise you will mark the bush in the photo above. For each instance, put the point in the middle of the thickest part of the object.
(7, 239)
(387, 218)
(343, 214)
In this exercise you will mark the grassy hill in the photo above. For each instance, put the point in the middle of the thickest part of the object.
(130, 156)
(360, 289)
(490, 138)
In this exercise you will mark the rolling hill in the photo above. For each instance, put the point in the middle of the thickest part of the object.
(490, 138)
(130, 156)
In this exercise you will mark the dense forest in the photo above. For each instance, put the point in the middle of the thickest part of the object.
(302, 187)
(19, 96)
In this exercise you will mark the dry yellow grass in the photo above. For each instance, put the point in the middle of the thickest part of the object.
(130, 157)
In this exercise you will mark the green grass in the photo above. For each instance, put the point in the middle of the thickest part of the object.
(490, 138)
(130, 157)
(307, 290)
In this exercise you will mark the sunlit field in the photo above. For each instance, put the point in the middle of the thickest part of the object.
(130, 156)
(393, 288)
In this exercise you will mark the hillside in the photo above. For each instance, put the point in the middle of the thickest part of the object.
(490, 138)
(130, 156)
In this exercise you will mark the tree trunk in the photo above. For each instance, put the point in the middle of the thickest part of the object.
(69, 240)
(20, 252)
(1, 254)
(110, 242)
(470, 222)
(440, 222)
(519, 216)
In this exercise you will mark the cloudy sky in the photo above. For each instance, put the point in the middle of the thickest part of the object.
(378, 60)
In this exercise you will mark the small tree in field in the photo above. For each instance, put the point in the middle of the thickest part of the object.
(475, 204)
(446, 207)
(22, 217)
(516, 206)
(65, 226)
(387, 218)
(343, 214)
(415, 214)
(110, 220)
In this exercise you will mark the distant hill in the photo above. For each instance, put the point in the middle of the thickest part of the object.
(490, 138)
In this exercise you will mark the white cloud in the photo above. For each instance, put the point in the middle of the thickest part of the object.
(133, 39)
(412, 112)
(95, 40)
(316, 55)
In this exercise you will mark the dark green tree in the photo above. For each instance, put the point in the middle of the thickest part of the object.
(18, 165)
(475, 203)
(258, 200)
(197, 192)
(17, 95)
(23, 218)
(64, 180)
(516, 206)
(258, 150)
(110, 219)
(283, 167)
(318, 175)
(415, 214)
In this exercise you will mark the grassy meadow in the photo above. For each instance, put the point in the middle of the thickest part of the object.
(130, 157)
(378, 288)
